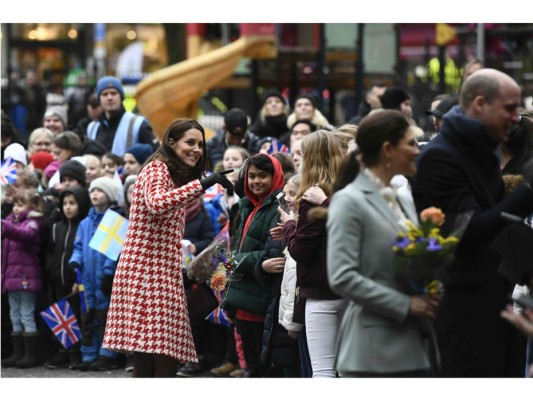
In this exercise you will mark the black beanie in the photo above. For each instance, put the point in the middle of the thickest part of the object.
(73, 169)
(309, 97)
(393, 98)
(273, 93)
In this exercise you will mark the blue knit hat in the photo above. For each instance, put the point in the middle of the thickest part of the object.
(108, 82)
(140, 151)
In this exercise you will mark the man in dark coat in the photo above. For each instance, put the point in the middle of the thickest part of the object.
(118, 129)
(234, 133)
(459, 172)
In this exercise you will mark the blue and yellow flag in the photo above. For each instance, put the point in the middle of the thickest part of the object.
(110, 235)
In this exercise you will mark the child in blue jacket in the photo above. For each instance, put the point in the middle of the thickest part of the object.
(97, 272)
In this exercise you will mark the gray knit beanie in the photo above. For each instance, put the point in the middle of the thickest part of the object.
(59, 112)
(106, 185)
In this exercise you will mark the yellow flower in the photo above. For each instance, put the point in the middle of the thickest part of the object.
(409, 249)
(450, 240)
(434, 287)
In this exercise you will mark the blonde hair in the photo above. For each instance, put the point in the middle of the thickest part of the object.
(323, 153)
(29, 197)
(263, 112)
(347, 134)
(296, 180)
(39, 132)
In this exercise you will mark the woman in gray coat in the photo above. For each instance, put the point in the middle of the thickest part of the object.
(380, 333)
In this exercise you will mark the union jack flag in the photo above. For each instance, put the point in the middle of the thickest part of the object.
(9, 171)
(277, 147)
(61, 320)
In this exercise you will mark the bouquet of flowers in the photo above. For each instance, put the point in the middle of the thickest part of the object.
(422, 252)
(215, 264)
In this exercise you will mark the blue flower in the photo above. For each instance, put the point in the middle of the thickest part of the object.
(433, 245)
(402, 242)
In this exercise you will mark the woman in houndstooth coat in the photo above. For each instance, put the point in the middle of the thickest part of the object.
(148, 311)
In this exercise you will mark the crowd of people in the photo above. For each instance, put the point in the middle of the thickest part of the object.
(318, 294)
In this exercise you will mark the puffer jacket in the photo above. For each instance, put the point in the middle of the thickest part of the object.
(94, 265)
(21, 242)
(246, 293)
(288, 296)
(62, 237)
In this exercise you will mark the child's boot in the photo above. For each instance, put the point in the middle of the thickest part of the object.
(31, 351)
(18, 350)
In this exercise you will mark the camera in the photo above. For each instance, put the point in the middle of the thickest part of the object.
(525, 302)
(282, 202)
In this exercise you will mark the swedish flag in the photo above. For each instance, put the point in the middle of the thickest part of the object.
(110, 235)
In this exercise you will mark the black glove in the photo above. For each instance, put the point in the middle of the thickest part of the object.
(217, 177)
(107, 285)
(73, 265)
(230, 190)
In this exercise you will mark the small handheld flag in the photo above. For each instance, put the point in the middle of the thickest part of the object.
(277, 147)
(110, 235)
(9, 171)
(61, 320)
(81, 291)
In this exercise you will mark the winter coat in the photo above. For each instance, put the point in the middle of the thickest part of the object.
(199, 230)
(247, 293)
(94, 265)
(274, 126)
(319, 120)
(278, 349)
(288, 296)
(214, 209)
(459, 172)
(105, 131)
(148, 310)
(21, 240)
(307, 244)
(217, 145)
(62, 235)
(377, 333)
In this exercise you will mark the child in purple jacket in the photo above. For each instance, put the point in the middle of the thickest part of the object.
(21, 274)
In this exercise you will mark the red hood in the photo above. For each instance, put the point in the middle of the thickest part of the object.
(278, 181)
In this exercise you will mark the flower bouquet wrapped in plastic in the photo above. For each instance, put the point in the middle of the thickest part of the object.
(422, 252)
(215, 264)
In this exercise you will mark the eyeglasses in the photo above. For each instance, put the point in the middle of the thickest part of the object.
(42, 143)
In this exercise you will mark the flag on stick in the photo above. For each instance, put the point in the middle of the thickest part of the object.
(62, 321)
(81, 291)
(110, 235)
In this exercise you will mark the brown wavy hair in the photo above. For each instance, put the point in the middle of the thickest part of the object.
(179, 172)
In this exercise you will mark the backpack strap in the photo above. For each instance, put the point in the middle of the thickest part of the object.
(129, 138)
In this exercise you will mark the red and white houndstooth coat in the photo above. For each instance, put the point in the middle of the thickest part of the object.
(148, 310)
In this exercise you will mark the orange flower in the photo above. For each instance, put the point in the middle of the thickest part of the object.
(218, 280)
(434, 214)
